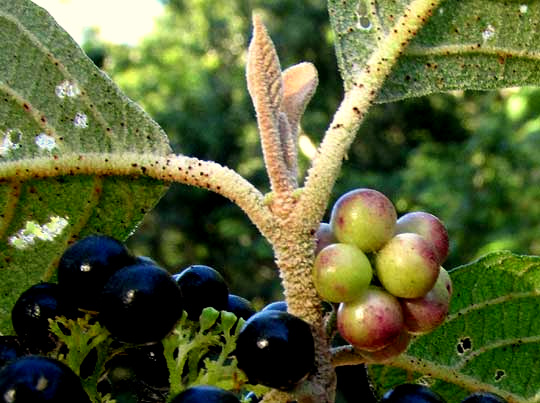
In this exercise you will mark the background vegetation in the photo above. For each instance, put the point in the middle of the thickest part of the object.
(466, 157)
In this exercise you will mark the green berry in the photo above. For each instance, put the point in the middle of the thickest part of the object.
(407, 266)
(365, 218)
(341, 273)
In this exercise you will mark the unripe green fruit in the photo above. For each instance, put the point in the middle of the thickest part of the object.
(430, 227)
(407, 266)
(424, 314)
(371, 322)
(341, 273)
(365, 218)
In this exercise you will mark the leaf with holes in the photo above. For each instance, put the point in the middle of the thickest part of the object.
(466, 44)
(491, 339)
(57, 109)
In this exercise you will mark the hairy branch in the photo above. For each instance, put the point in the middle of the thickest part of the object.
(173, 168)
(342, 131)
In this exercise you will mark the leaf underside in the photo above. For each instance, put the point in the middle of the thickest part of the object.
(491, 339)
(466, 44)
(55, 102)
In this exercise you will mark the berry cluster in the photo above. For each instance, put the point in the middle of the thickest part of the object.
(384, 272)
(119, 320)
(414, 393)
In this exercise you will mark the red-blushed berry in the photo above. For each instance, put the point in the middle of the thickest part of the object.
(85, 267)
(372, 321)
(205, 394)
(424, 314)
(202, 287)
(268, 340)
(411, 393)
(324, 237)
(140, 304)
(36, 379)
(398, 346)
(430, 227)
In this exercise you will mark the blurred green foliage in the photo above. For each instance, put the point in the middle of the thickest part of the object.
(468, 157)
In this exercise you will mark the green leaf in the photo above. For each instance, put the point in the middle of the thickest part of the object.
(491, 339)
(466, 44)
(57, 108)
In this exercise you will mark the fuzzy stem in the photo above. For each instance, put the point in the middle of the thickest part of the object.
(173, 168)
(342, 131)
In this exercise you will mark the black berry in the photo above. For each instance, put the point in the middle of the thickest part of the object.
(411, 393)
(38, 380)
(10, 349)
(268, 340)
(205, 394)
(140, 304)
(31, 313)
(85, 267)
(276, 306)
(483, 397)
(201, 287)
(241, 307)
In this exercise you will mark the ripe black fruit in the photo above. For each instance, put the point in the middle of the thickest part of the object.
(201, 287)
(411, 393)
(241, 307)
(36, 379)
(31, 313)
(140, 304)
(483, 397)
(205, 394)
(85, 267)
(268, 340)
(10, 349)
(276, 306)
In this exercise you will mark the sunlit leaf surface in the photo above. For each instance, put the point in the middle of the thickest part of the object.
(55, 103)
(466, 44)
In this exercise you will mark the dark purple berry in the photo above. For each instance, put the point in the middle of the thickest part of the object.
(205, 394)
(150, 365)
(483, 397)
(86, 266)
(201, 287)
(36, 379)
(10, 349)
(241, 307)
(276, 306)
(140, 304)
(411, 393)
(268, 340)
(145, 260)
(31, 313)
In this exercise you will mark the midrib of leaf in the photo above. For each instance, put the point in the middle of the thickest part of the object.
(495, 307)
(466, 44)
